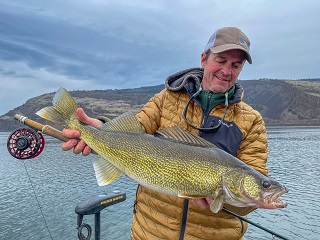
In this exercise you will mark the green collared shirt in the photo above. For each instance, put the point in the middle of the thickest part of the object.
(209, 99)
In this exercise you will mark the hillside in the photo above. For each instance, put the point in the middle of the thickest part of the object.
(281, 102)
(285, 102)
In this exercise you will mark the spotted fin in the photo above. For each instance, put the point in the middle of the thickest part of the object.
(217, 202)
(63, 109)
(126, 122)
(179, 134)
(105, 171)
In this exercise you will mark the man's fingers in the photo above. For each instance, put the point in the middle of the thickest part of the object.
(69, 133)
(201, 202)
(86, 151)
(79, 147)
(83, 117)
(69, 145)
(209, 200)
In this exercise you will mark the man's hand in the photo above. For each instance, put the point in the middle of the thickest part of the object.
(204, 202)
(77, 144)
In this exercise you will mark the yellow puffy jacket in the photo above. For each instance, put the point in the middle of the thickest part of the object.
(159, 216)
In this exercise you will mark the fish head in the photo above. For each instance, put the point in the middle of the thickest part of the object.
(254, 190)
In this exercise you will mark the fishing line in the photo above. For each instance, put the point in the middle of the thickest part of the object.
(34, 192)
(255, 224)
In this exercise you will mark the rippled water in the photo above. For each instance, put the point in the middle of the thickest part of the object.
(58, 181)
(294, 160)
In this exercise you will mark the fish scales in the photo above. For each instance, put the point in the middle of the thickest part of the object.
(154, 161)
(173, 167)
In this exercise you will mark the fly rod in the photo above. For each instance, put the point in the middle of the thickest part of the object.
(53, 132)
(255, 224)
(46, 129)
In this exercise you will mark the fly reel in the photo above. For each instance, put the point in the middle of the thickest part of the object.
(25, 143)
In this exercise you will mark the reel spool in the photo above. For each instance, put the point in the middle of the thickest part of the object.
(25, 143)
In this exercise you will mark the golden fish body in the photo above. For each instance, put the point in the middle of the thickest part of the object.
(191, 167)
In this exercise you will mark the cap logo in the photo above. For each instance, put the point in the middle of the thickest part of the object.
(244, 43)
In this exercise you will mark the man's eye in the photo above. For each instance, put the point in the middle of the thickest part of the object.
(237, 66)
(220, 62)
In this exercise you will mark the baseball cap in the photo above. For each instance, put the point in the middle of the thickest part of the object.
(228, 38)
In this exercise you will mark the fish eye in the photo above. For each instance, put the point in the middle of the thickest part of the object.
(266, 184)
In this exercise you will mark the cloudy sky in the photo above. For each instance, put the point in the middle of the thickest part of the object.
(113, 44)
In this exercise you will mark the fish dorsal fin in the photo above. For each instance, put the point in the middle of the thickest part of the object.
(105, 172)
(126, 122)
(179, 134)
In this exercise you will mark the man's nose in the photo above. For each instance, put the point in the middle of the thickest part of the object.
(226, 69)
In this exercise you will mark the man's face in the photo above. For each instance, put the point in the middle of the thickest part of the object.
(221, 70)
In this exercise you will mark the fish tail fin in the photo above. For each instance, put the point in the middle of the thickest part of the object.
(63, 109)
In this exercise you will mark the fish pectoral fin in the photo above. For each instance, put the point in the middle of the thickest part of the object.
(217, 202)
(190, 196)
(105, 171)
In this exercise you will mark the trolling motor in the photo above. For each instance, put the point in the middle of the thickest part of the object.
(93, 206)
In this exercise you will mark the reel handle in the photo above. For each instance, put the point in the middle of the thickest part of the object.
(46, 129)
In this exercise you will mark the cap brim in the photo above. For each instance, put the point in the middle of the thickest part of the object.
(226, 47)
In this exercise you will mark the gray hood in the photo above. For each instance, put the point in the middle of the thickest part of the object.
(179, 80)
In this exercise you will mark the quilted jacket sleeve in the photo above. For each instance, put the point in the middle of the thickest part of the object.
(150, 115)
(253, 150)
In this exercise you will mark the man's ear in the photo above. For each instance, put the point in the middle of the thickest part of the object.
(203, 59)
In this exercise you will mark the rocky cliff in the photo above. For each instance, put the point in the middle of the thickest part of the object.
(281, 102)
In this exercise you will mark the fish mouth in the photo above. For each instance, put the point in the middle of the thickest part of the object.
(271, 199)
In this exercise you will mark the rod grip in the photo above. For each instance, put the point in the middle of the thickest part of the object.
(46, 129)
(54, 133)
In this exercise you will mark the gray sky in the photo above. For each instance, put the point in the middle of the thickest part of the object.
(107, 44)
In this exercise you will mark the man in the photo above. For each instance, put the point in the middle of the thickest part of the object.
(206, 101)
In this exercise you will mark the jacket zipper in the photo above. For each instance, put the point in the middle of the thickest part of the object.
(184, 219)
(207, 110)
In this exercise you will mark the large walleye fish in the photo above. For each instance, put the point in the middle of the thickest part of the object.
(172, 161)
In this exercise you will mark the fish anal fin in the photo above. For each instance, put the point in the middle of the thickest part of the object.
(105, 172)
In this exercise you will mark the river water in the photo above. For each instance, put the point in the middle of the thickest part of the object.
(38, 197)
